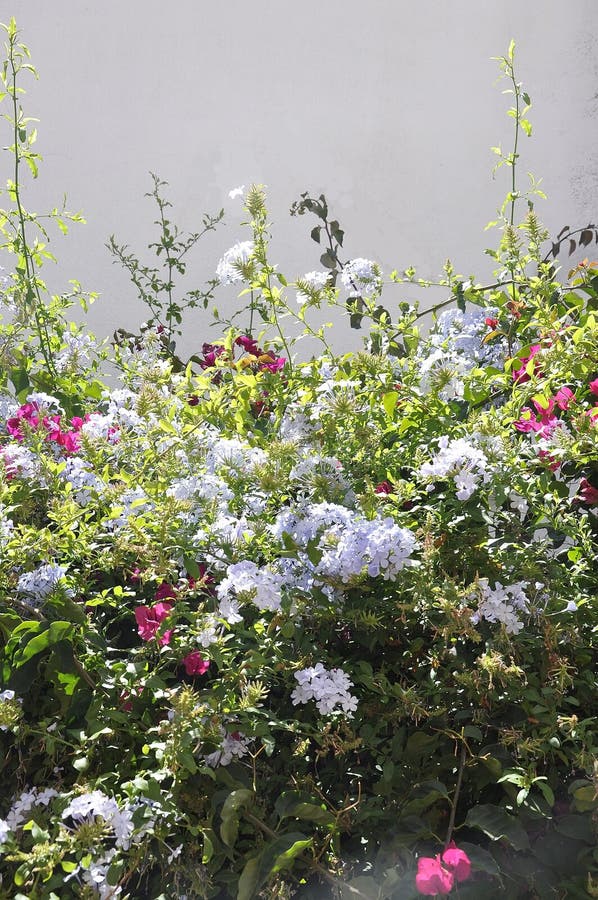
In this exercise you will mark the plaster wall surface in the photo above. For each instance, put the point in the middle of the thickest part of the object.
(388, 107)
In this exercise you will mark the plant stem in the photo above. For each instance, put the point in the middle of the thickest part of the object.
(451, 824)
(32, 287)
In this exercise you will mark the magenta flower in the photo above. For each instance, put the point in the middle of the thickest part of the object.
(385, 487)
(432, 878)
(564, 397)
(149, 620)
(593, 386)
(195, 664)
(520, 375)
(248, 344)
(457, 861)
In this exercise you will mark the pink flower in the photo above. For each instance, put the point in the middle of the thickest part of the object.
(491, 322)
(385, 487)
(520, 375)
(593, 386)
(564, 397)
(588, 493)
(195, 664)
(149, 620)
(432, 878)
(457, 861)
(248, 344)
(527, 422)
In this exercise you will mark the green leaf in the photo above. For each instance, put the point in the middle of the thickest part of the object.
(498, 824)
(52, 634)
(310, 812)
(389, 401)
(234, 803)
(249, 880)
(328, 260)
(277, 855)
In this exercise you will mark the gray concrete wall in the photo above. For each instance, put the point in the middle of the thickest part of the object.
(388, 107)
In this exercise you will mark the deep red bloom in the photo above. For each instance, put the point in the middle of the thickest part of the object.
(491, 322)
(432, 878)
(457, 861)
(165, 590)
(149, 620)
(385, 487)
(195, 664)
(588, 493)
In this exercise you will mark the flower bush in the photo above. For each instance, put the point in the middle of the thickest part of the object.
(301, 628)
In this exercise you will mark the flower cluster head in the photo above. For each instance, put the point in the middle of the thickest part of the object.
(501, 604)
(41, 582)
(228, 270)
(234, 745)
(459, 459)
(329, 688)
(349, 543)
(86, 808)
(247, 581)
(361, 276)
(10, 710)
(315, 281)
(437, 875)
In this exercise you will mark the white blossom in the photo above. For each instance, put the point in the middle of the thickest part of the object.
(314, 280)
(41, 582)
(461, 460)
(328, 688)
(227, 270)
(361, 276)
(501, 604)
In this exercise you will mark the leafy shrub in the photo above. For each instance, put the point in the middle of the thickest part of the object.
(290, 627)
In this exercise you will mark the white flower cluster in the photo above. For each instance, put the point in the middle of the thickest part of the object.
(455, 346)
(247, 581)
(87, 807)
(40, 583)
(227, 270)
(315, 471)
(361, 276)
(83, 481)
(9, 697)
(129, 504)
(501, 604)
(314, 280)
(348, 542)
(19, 811)
(329, 688)
(95, 876)
(233, 454)
(462, 461)
(75, 355)
(233, 746)
(20, 462)
(6, 526)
